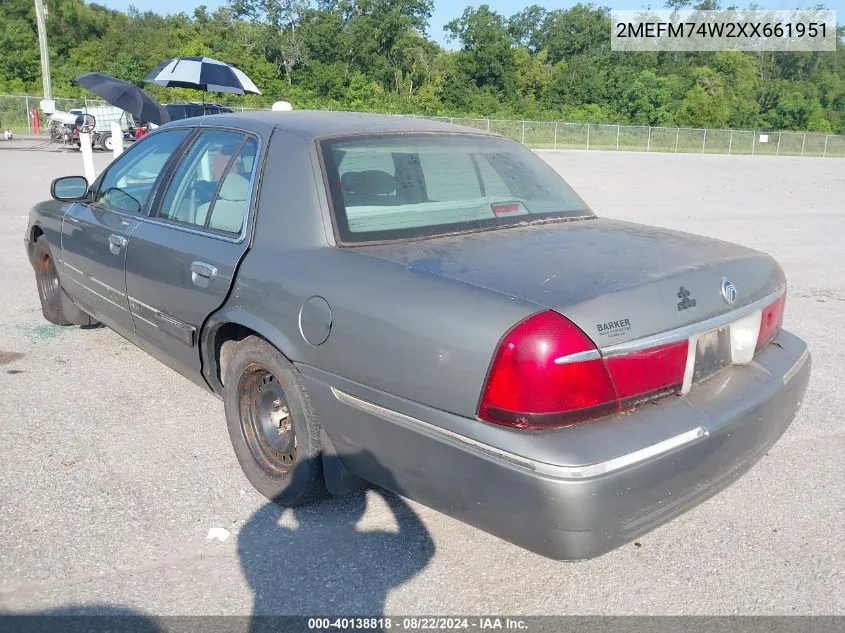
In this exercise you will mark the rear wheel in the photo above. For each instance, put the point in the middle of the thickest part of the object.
(273, 427)
(55, 304)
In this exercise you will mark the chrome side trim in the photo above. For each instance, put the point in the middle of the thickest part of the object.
(552, 470)
(797, 366)
(106, 286)
(135, 315)
(73, 268)
(591, 354)
(408, 421)
(183, 332)
(693, 329)
(94, 292)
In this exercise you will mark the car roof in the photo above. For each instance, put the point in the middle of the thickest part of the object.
(319, 123)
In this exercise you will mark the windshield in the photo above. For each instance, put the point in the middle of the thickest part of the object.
(401, 186)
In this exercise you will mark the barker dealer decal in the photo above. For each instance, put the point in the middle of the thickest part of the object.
(613, 329)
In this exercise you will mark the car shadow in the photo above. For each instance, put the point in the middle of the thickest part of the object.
(315, 560)
(310, 560)
(79, 619)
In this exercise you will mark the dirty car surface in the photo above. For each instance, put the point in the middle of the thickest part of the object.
(434, 310)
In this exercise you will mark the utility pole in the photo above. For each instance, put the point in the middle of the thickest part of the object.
(40, 17)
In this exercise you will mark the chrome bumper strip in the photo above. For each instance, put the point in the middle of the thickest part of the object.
(551, 470)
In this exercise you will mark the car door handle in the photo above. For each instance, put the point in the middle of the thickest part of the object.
(116, 243)
(202, 274)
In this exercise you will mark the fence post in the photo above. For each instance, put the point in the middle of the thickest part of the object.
(617, 138)
(555, 134)
(824, 152)
(523, 133)
(488, 125)
(452, 120)
(677, 138)
(803, 141)
(730, 142)
(588, 136)
(28, 114)
(777, 149)
(753, 141)
(703, 140)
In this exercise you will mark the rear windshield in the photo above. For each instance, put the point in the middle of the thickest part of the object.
(401, 186)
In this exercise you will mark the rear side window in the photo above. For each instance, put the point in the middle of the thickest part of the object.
(401, 186)
(212, 184)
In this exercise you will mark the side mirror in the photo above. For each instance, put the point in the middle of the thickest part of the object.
(69, 188)
(85, 123)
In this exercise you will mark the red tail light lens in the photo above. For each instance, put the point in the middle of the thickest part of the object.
(643, 375)
(771, 321)
(506, 208)
(527, 388)
(547, 373)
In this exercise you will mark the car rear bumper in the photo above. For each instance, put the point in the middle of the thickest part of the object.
(573, 512)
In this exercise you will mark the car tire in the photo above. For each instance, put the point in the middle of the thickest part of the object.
(274, 429)
(55, 304)
(106, 142)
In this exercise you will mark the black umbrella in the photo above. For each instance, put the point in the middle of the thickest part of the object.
(126, 96)
(201, 73)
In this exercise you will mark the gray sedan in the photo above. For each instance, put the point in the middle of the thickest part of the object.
(433, 310)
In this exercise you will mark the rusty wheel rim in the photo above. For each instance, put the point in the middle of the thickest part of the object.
(48, 280)
(266, 421)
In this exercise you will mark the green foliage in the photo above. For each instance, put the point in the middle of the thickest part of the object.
(376, 55)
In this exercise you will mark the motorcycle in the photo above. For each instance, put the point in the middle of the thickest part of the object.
(63, 129)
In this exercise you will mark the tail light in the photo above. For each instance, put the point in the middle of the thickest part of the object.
(771, 321)
(547, 373)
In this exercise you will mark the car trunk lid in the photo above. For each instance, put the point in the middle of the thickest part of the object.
(617, 281)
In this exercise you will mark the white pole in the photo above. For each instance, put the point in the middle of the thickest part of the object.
(824, 153)
(677, 138)
(648, 143)
(40, 17)
(29, 116)
(555, 134)
(617, 138)
(87, 156)
(704, 140)
(116, 138)
(777, 149)
(730, 142)
(523, 133)
(803, 141)
(588, 136)
(753, 141)
(488, 125)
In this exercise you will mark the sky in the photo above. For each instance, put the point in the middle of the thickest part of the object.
(446, 11)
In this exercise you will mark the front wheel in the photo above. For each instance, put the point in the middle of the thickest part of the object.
(55, 304)
(107, 142)
(273, 427)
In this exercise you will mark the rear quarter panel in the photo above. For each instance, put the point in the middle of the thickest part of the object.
(404, 332)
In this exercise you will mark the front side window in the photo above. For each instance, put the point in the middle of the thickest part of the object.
(402, 186)
(211, 186)
(128, 183)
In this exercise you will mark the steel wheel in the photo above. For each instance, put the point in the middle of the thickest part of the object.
(266, 421)
(48, 280)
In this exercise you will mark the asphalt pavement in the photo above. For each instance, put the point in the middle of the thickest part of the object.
(113, 468)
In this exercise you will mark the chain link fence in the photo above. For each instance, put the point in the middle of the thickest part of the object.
(15, 115)
(634, 138)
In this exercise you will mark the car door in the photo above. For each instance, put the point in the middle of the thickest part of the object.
(95, 234)
(181, 261)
